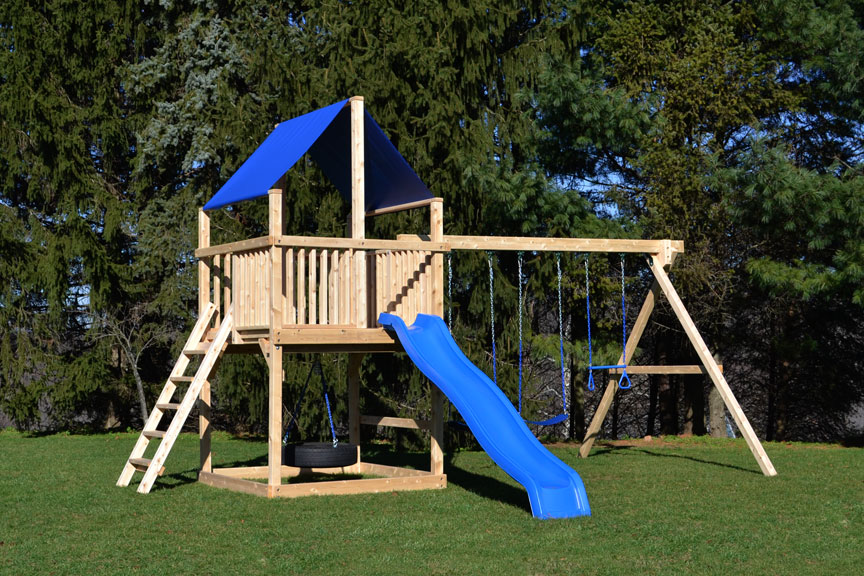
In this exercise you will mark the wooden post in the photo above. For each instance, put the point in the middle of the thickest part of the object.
(436, 234)
(358, 208)
(711, 366)
(612, 385)
(204, 441)
(203, 263)
(355, 361)
(436, 434)
(274, 436)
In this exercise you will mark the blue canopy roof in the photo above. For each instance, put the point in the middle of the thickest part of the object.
(326, 135)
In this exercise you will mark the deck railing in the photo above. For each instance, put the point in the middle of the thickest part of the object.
(321, 284)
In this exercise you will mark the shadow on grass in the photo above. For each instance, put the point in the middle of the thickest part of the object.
(486, 487)
(606, 450)
(176, 480)
(478, 484)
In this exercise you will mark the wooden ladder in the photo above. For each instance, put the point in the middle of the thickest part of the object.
(195, 345)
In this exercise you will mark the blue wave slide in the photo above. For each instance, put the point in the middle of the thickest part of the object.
(554, 489)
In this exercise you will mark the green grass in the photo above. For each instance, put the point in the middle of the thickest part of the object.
(683, 507)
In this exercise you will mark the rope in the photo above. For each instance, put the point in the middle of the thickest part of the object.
(327, 402)
(296, 412)
(624, 375)
(560, 333)
(521, 303)
(489, 256)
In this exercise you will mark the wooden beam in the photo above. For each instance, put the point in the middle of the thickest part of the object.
(392, 422)
(355, 362)
(234, 247)
(389, 471)
(357, 312)
(363, 486)
(401, 207)
(563, 244)
(236, 484)
(203, 262)
(204, 432)
(332, 335)
(713, 369)
(691, 369)
(274, 434)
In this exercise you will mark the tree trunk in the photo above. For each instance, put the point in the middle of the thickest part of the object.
(142, 400)
(577, 402)
(694, 395)
(666, 391)
(652, 406)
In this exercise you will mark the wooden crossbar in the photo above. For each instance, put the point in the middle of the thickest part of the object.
(563, 244)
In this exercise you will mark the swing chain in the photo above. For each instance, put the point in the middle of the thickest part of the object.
(450, 291)
(623, 312)
(561, 331)
(520, 255)
(588, 316)
(489, 256)
(624, 375)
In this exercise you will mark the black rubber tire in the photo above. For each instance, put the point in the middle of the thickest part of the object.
(319, 455)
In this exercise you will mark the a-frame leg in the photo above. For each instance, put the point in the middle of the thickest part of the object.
(711, 366)
(626, 356)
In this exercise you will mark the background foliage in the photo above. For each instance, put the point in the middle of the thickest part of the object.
(735, 126)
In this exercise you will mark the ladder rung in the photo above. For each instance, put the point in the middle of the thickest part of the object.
(197, 351)
(168, 406)
(181, 378)
(142, 464)
(153, 434)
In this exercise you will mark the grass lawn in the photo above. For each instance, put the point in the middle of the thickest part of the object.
(695, 506)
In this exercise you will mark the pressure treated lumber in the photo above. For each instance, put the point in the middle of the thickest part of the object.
(713, 370)
(562, 244)
(393, 422)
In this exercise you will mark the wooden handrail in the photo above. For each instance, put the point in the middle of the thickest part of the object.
(241, 246)
(402, 207)
(361, 244)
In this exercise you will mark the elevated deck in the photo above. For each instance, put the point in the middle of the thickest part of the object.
(323, 294)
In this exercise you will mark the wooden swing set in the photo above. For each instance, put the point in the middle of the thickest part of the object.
(280, 294)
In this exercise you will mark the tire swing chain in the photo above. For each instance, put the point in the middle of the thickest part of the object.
(316, 369)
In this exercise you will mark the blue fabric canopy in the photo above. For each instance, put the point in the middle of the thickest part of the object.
(326, 135)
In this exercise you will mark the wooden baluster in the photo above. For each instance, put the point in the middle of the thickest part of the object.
(325, 280)
(336, 293)
(313, 286)
(301, 286)
(290, 309)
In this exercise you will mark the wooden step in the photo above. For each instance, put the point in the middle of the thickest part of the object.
(168, 406)
(154, 433)
(200, 350)
(142, 464)
(181, 378)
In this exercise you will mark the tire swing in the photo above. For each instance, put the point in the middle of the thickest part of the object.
(317, 454)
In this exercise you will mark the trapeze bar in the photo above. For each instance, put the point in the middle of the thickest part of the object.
(610, 367)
